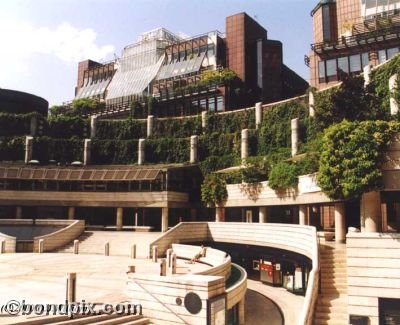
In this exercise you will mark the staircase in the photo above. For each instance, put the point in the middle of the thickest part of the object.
(331, 308)
(92, 242)
(103, 319)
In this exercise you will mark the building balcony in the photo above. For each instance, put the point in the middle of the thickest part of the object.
(370, 34)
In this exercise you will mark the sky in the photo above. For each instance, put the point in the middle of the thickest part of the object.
(42, 41)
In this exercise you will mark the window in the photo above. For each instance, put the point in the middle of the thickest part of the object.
(343, 64)
(392, 52)
(326, 23)
(355, 63)
(321, 69)
(220, 104)
(365, 59)
(382, 56)
(331, 68)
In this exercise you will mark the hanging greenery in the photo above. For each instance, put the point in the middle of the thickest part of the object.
(61, 150)
(352, 156)
(114, 151)
(231, 122)
(16, 124)
(64, 126)
(213, 189)
(127, 129)
(12, 148)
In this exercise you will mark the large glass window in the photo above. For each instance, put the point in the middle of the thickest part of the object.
(343, 64)
(326, 23)
(382, 56)
(392, 52)
(365, 59)
(355, 63)
(220, 104)
(321, 69)
(331, 68)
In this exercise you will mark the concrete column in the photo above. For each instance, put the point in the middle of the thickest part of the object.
(71, 213)
(241, 312)
(141, 152)
(76, 246)
(107, 249)
(249, 216)
(28, 148)
(2, 246)
(371, 215)
(245, 144)
(71, 287)
(194, 141)
(33, 126)
(258, 112)
(164, 219)
(150, 123)
(295, 136)
(394, 106)
(262, 214)
(169, 253)
(133, 251)
(93, 125)
(154, 254)
(366, 73)
(193, 214)
(172, 269)
(311, 110)
(119, 221)
(340, 223)
(219, 214)
(18, 212)
(302, 214)
(87, 151)
(204, 121)
(41, 246)
(163, 267)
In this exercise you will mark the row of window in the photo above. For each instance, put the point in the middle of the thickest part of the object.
(328, 69)
(191, 53)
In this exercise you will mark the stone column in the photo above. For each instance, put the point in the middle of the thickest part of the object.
(107, 249)
(394, 106)
(371, 215)
(311, 110)
(340, 223)
(93, 125)
(168, 257)
(41, 246)
(133, 251)
(164, 219)
(295, 136)
(71, 287)
(262, 214)
(204, 121)
(241, 312)
(258, 112)
(150, 122)
(172, 269)
(302, 214)
(163, 268)
(154, 253)
(76, 246)
(366, 73)
(86, 152)
(28, 148)
(194, 140)
(2, 246)
(141, 152)
(119, 221)
(219, 214)
(33, 126)
(18, 212)
(71, 213)
(245, 144)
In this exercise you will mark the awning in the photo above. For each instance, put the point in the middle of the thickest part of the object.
(80, 174)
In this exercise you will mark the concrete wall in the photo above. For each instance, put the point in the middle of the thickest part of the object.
(243, 194)
(95, 199)
(295, 238)
(158, 296)
(373, 271)
(236, 293)
(11, 243)
(59, 238)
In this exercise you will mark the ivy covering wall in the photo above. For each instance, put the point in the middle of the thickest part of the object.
(61, 150)
(12, 148)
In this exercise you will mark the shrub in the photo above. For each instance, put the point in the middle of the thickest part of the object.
(213, 189)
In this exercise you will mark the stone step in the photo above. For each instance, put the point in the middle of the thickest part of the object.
(92, 319)
(337, 308)
(332, 300)
(128, 319)
(335, 316)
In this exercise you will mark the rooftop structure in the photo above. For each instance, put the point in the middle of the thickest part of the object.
(171, 70)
